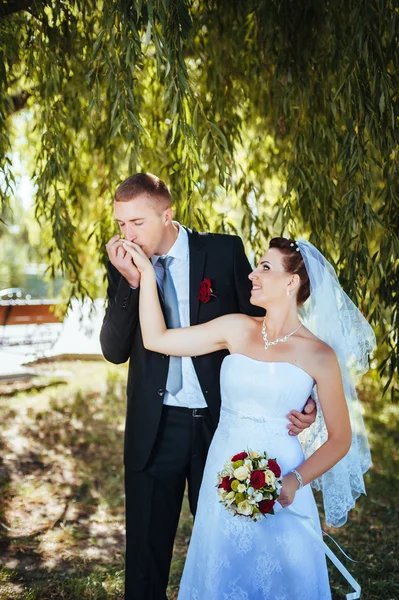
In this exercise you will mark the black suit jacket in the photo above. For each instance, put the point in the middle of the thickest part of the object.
(220, 258)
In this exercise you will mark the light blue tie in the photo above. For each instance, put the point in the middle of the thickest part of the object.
(174, 382)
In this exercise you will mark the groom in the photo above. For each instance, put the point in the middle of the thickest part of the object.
(173, 403)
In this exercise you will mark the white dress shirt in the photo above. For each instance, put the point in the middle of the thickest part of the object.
(190, 396)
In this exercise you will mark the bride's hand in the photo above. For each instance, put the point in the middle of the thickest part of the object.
(140, 259)
(288, 490)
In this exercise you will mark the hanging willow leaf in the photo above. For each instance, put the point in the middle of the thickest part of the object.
(264, 116)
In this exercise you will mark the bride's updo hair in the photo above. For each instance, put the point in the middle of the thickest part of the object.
(293, 263)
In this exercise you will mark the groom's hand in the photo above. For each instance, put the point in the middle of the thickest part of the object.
(123, 261)
(300, 421)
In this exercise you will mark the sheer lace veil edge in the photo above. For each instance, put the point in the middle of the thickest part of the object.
(332, 316)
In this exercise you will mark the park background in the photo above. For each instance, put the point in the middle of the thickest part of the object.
(265, 118)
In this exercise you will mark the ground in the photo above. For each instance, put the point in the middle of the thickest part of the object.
(61, 500)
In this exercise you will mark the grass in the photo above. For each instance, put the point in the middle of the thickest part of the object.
(61, 501)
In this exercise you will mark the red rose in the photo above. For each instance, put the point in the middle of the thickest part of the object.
(257, 479)
(239, 456)
(265, 506)
(205, 290)
(274, 467)
(226, 483)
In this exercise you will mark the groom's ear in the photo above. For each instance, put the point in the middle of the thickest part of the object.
(168, 215)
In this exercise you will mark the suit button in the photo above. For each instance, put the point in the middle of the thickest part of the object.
(164, 355)
(160, 392)
(206, 391)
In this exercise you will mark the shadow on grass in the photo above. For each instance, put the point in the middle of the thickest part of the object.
(371, 534)
(4, 485)
(62, 509)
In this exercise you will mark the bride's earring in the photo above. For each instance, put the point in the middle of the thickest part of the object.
(287, 292)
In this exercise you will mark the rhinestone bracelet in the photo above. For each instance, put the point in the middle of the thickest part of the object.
(298, 477)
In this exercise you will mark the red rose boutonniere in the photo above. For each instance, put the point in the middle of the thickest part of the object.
(206, 291)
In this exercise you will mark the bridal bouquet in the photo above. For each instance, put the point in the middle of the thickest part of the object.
(249, 484)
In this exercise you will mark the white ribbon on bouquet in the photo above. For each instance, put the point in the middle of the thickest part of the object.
(307, 523)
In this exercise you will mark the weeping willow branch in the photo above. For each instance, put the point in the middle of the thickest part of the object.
(265, 116)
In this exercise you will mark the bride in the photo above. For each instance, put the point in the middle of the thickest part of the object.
(274, 364)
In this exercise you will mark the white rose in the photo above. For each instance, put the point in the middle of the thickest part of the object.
(241, 487)
(263, 463)
(258, 497)
(248, 464)
(241, 473)
(254, 454)
(228, 469)
(270, 478)
(245, 508)
(250, 491)
(229, 498)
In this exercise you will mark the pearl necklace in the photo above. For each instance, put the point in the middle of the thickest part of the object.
(278, 340)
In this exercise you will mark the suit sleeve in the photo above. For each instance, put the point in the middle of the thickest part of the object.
(243, 286)
(121, 318)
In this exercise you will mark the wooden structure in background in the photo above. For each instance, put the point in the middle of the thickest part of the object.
(28, 312)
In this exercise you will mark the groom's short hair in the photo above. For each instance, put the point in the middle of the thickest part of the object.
(143, 184)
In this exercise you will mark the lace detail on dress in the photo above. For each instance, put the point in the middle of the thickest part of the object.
(238, 531)
(236, 593)
(343, 484)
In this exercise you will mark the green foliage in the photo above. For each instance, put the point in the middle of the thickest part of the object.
(264, 116)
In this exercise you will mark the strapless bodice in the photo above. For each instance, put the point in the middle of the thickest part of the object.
(263, 390)
(256, 397)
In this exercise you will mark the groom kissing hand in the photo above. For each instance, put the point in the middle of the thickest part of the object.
(173, 403)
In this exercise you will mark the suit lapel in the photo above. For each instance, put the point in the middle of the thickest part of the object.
(197, 254)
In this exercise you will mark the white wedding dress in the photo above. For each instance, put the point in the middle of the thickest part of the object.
(232, 557)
